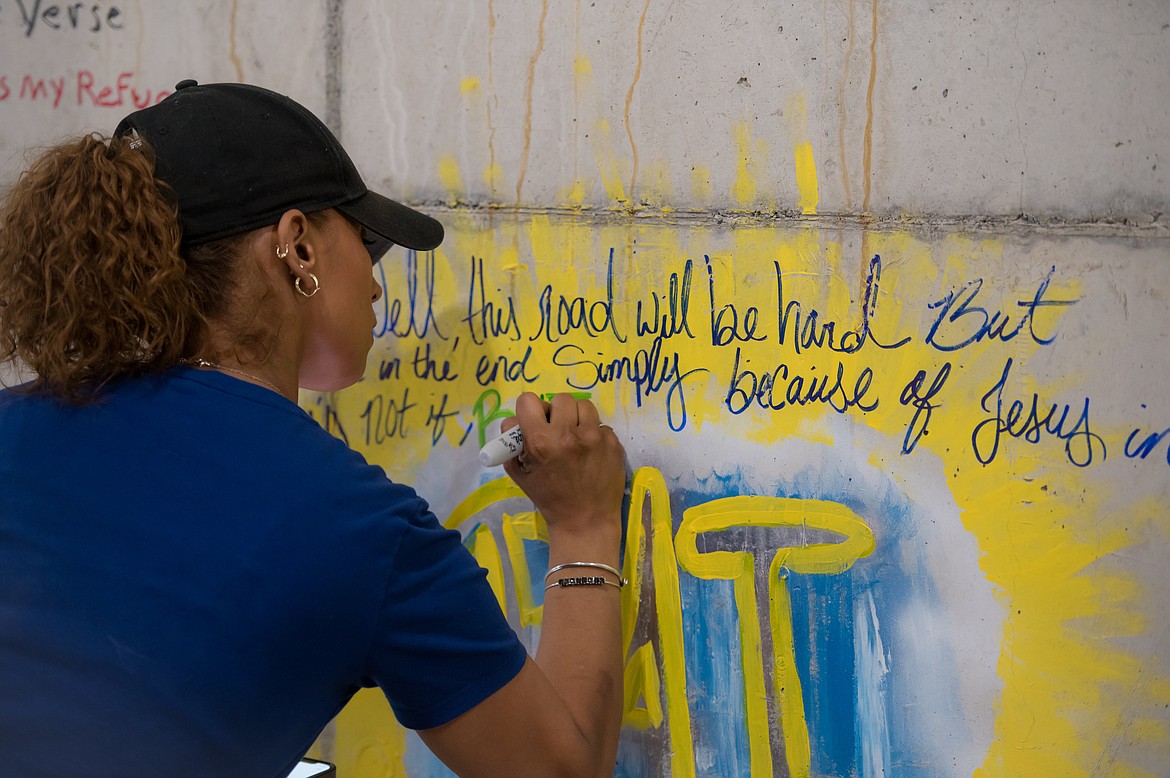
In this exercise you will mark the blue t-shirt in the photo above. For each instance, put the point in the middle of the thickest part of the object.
(195, 578)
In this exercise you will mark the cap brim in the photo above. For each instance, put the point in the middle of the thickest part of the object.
(394, 222)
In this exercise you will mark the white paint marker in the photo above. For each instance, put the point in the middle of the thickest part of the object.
(498, 451)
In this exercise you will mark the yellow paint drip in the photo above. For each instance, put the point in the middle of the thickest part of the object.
(491, 177)
(743, 189)
(611, 169)
(575, 195)
(802, 152)
(451, 177)
(701, 183)
(547, 246)
(655, 188)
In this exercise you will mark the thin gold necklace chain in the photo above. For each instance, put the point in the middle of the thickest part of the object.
(201, 362)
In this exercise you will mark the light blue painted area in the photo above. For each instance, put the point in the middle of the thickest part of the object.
(536, 554)
(822, 630)
(635, 759)
(714, 676)
(873, 735)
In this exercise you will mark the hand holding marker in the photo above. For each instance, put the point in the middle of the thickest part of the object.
(510, 444)
(498, 451)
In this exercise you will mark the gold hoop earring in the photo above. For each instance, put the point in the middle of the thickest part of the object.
(282, 254)
(316, 287)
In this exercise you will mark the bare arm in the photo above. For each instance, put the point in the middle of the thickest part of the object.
(561, 715)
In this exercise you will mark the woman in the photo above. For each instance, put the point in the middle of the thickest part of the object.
(194, 577)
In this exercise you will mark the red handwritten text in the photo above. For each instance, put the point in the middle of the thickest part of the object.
(82, 89)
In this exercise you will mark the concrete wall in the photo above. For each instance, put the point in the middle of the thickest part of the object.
(874, 292)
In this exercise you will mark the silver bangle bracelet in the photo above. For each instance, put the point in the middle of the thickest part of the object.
(598, 565)
(584, 580)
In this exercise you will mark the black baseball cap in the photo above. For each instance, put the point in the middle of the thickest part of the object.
(239, 156)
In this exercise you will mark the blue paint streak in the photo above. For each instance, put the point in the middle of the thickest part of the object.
(634, 757)
(713, 658)
(897, 575)
(822, 628)
(714, 667)
(536, 555)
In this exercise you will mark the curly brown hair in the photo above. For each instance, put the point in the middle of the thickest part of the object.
(92, 283)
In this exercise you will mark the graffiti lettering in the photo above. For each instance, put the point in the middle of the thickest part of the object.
(672, 321)
(487, 371)
(487, 320)
(418, 321)
(648, 369)
(437, 418)
(1080, 442)
(740, 568)
(574, 347)
(430, 369)
(483, 416)
(386, 420)
(824, 336)
(979, 324)
(561, 315)
(121, 93)
(571, 314)
(642, 678)
(390, 369)
(1147, 445)
(776, 390)
(724, 333)
(91, 17)
(85, 91)
(39, 89)
(912, 395)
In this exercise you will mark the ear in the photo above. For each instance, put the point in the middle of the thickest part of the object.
(294, 245)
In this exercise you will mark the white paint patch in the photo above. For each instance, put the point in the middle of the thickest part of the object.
(872, 723)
